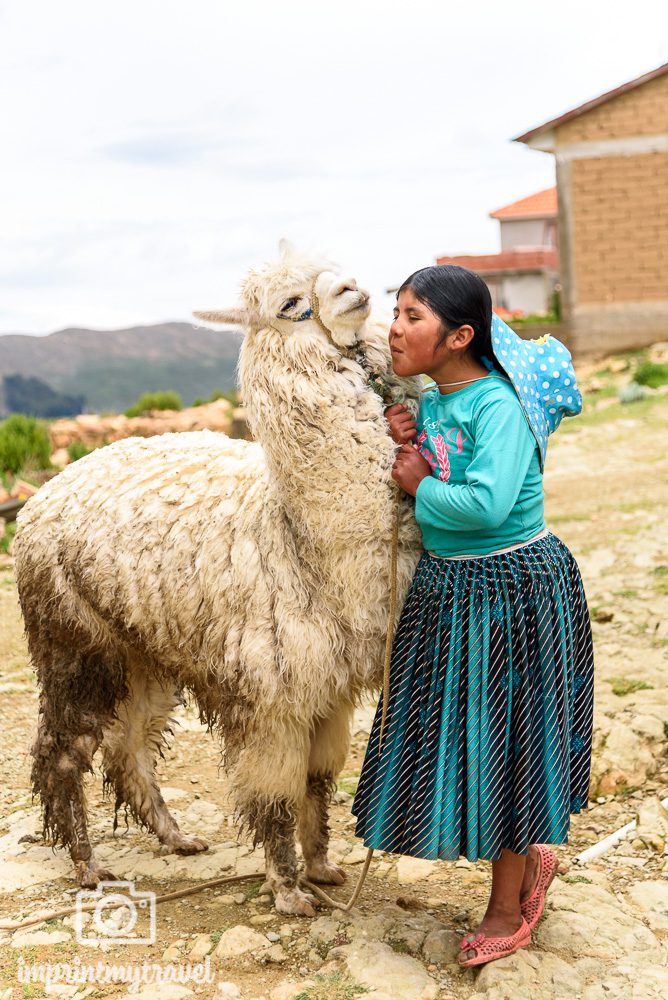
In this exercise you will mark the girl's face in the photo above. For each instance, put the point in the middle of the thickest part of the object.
(414, 337)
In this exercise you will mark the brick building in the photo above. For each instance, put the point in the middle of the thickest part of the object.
(612, 179)
(521, 278)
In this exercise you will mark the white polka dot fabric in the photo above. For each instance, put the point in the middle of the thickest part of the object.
(542, 375)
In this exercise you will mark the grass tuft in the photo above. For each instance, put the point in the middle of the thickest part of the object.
(622, 686)
(336, 986)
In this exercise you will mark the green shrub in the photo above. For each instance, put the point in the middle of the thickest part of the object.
(231, 395)
(24, 443)
(169, 400)
(652, 374)
(6, 538)
(78, 450)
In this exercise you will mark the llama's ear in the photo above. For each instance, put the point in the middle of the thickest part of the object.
(286, 248)
(228, 317)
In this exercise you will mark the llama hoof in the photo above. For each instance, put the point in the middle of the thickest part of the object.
(296, 902)
(90, 875)
(181, 844)
(326, 872)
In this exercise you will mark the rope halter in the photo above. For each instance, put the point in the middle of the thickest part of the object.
(313, 312)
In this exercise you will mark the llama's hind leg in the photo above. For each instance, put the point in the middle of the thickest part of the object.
(57, 776)
(77, 696)
(329, 747)
(130, 749)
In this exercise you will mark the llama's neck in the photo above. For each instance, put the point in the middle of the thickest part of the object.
(328, 451)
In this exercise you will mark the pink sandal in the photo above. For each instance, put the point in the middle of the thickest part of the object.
(532, 907)
(488, 949)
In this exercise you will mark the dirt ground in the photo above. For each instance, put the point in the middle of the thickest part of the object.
(606, 498)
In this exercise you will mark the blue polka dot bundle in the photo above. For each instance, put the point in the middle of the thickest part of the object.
(542, 375)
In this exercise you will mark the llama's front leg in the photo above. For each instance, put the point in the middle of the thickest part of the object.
(268, 784)
(329, 748)
(281, 859)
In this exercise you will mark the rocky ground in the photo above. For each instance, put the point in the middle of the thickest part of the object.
(605, 931)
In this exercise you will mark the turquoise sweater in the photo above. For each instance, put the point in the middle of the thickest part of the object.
(486, 487)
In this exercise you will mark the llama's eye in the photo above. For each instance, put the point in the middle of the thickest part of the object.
(290, 304)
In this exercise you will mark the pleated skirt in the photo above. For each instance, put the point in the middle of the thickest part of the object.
(487, 741)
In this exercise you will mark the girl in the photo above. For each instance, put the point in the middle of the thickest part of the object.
(487, 744)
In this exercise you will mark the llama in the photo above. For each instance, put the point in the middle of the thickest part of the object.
(253, 576)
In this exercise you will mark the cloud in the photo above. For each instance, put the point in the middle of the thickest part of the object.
(160, 151)
(144, 170)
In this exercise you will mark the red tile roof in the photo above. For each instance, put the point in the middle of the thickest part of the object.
(590, 105)
(507, 260)
(542, 205)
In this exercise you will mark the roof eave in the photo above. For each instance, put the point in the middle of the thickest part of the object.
(533, 217)
(541, 139)
(536, 133)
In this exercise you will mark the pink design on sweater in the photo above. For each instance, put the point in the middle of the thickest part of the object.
(443, 459)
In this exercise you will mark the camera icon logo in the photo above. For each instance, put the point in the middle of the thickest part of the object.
(119, 914)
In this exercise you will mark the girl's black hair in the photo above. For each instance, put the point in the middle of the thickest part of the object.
(457, 296)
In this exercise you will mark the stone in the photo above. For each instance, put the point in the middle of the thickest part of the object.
(621, 759)
(291, 989)
(168, 991)
(630, 981)
(376, 926)
(261, 918)
(170, 794)
(648, 726)
(338, 849)
(585, 920)
(324, 929)
(173, 952)
(22, 874)
(230, 991)
(412, 870)
(651, 897)
(238, 941)
(409, 933)
(652, 824)
(27, 939)
(276, 954)
(397, 977)
(201, 947)
(527, 975)
(357, 856)
(441, 946)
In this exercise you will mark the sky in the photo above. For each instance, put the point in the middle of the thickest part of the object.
(152, 151)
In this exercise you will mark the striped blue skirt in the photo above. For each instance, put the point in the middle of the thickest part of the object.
(487, 741)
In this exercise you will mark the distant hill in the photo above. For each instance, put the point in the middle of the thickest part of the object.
(27, 394)
(111, 368)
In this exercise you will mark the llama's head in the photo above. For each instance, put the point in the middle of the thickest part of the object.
(299, 297)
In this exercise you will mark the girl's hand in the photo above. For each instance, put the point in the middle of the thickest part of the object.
(410, 468)
(402, 425)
